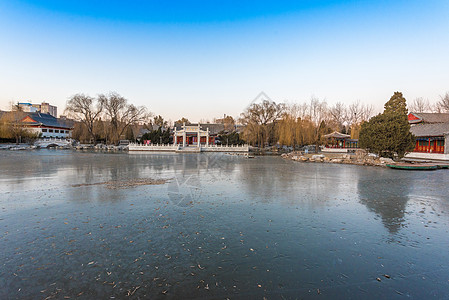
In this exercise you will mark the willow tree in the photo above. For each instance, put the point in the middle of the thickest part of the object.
(287, 129)
(388, 134)
(294, 131)
(11, 126)
(259, 121)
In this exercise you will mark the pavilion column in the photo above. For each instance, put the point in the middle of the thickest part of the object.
(199, 136)
(207, 137)
(446, 144)
(175, 137)
(184, 134)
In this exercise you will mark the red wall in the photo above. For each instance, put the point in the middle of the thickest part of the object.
(412, 117)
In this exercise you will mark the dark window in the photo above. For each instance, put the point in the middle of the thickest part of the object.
(44, 130)
(50, 130)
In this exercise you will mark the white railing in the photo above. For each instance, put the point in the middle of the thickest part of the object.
(178, 147)
(226, 148)
(53, 139)
(152, 147)
(338, 150)
(427, 156)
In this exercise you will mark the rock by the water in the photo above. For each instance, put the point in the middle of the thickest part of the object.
(385, 160)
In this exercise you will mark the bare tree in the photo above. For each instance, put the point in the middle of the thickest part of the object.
(121, 114)
(419, 105)
(297, 110)
(358, 112)
(367, 112)
(318, 113)
(443, 104)
(355, 112)
(338, 114)
(86, 110)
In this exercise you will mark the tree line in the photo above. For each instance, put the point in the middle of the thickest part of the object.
(421, 105)
(298, 124)
(107, 118)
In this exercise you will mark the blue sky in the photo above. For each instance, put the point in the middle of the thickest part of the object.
(201, 59)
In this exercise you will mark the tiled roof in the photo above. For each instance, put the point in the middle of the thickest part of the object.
(430, 118)
(435, 129)
(48, 120)
(337, 135)
(213, 128)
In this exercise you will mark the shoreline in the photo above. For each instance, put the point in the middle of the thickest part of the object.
(360, 158)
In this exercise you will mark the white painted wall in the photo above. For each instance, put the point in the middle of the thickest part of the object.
(62, 133)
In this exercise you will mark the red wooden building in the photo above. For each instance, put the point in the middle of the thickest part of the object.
(339, 142)
(431, 131)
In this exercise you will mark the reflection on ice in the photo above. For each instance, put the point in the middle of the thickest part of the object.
(386, 195)
(222, 226)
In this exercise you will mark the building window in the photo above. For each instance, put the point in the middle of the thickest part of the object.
(50, 130)
(56, 131)
(44, 130)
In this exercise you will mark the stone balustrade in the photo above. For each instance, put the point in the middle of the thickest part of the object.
(179, 148)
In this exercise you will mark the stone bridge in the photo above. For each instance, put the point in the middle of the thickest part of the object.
(53, 142)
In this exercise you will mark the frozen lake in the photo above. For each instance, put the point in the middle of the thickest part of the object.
(99, 225)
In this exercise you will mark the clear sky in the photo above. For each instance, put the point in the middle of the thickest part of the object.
(203, 59)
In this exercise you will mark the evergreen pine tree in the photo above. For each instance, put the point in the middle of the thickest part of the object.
(388, 134)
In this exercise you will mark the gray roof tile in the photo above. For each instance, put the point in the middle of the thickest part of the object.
(431, 117)
(435, 129)
(49, 120)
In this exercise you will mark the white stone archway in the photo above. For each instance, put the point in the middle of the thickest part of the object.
(191, 129)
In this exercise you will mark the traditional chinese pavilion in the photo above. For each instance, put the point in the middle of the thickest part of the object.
(196, 134)
(431, 131)
(339, 142)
